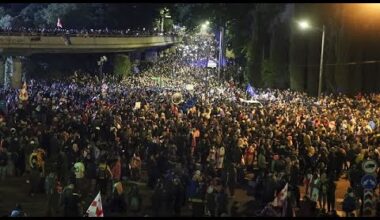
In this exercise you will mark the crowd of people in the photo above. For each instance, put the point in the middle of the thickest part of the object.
(140, 32)
(82, 135)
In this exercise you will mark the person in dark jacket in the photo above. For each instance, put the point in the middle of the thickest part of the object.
(157, 199)
(71, 202)
(221, 202)
(3, 163)
(177, 196)
(331, 194)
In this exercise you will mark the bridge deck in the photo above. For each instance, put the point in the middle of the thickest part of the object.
(26, 45)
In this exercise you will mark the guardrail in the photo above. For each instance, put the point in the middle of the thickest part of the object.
(60, 34)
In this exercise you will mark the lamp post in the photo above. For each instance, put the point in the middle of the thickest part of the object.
(164, 14)
(101, 62)
(220, 57)
(305, 25)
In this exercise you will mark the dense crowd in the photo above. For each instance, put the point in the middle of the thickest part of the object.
(140, 32)
(83, 134)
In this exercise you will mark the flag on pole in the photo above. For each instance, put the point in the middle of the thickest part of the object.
(59, 24)
(250, 90)
(96, 209)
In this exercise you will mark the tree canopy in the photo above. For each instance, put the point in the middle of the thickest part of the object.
(79, 15)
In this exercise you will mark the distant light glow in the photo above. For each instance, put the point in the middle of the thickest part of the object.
(204, 26)
(304, 25)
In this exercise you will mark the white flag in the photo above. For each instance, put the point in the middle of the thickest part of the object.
(59, 24)
(96, 209)
(280, 198)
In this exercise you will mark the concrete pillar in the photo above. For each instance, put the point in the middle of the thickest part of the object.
(13, 72)
(16, 81)
(8, 71)
(151, 56)
(2, 71)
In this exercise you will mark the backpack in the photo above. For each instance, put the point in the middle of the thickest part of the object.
(349, 204)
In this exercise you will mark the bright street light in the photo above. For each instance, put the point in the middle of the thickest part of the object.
(205, 25)
(304, 25)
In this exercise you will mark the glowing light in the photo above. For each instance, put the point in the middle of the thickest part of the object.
(304, 25)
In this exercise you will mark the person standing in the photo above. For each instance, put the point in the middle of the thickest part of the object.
(135, 167)
(118, 201)
(323, 191)
(79, 171)
(3, 163)
(104, 174)
(116, 170)
(71, 202)
(220, 157)
(331, 194)
(50, 188)
(349, 202)
(34, 178)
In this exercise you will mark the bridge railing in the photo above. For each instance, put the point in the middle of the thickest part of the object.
(58, 34)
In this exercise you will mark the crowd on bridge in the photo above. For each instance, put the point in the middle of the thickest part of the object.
(93, 32)
(77, 136)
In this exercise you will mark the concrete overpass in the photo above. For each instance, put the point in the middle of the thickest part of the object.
(12, 48)
(27, 45)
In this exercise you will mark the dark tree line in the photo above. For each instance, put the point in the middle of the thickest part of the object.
(79, 15)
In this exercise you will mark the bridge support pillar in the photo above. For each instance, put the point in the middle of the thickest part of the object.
(13, 72)
(151, 55)
(2, 71)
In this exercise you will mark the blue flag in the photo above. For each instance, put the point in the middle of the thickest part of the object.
(250, 90)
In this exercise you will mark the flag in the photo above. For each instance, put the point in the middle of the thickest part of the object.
(250, 90)
(280, 198)
(59, 24)
(96, 209)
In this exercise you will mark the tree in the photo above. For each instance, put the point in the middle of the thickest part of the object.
(53, 11)
(122, 66)
(6, 21)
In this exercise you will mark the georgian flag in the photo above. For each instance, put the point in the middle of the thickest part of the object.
(280, 197)
(59, 24)
(96, 209)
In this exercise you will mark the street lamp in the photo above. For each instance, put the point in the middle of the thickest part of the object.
(164, 14)
(304, 25)
(204, 26)
(101, 62)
